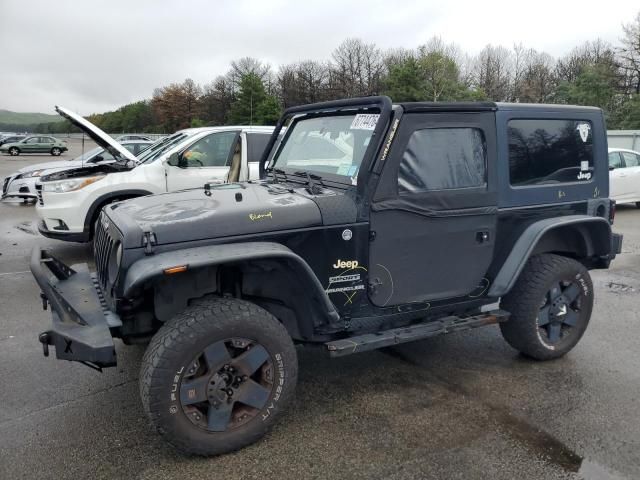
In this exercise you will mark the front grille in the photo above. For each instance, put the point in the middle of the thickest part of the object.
(39, 193)
(102, 247)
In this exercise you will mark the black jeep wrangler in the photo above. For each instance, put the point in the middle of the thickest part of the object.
(374, 224)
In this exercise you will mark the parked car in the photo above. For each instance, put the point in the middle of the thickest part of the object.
(439, 217)
(69, 202)
(624, 175)
(124, 138)
(11, 138)
(22, 184)
(35, 144)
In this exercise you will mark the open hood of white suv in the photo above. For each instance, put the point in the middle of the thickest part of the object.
(101, 138)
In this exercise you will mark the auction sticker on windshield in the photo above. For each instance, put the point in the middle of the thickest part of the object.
(365, 121)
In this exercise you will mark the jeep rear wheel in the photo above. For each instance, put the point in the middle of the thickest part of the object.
(550, 307)
(216, 377)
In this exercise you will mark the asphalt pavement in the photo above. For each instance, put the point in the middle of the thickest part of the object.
(462, 406)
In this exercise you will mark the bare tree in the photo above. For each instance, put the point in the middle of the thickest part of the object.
(588, 54)
(630, 53)
(538, 81)
(357, 68)
(493, 70)
(245, 66)
(216, 100)
(303, 82)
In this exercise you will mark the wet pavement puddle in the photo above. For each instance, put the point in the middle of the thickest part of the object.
(537, 441)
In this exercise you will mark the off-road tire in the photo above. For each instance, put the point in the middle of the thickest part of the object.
(206, 321)
(14, 151)
(524, 302)
(56, 152)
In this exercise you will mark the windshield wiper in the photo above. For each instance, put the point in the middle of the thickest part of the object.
(277, 171)
(313, 187)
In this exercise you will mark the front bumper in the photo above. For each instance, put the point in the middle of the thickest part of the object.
(65, 235)
(81, 323)
(13, 187)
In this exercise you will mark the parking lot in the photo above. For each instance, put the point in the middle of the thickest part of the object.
(460, 406)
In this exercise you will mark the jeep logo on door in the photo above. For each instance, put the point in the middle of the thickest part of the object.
(345, 264)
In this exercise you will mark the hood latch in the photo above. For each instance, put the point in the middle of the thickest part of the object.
(148, 241)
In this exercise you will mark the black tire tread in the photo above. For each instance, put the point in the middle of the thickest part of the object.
(195, 320)
(523, 302)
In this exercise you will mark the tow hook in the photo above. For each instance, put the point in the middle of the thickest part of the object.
(46, 340)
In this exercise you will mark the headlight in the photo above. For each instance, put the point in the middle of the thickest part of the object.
(69, 185)
(35, 173)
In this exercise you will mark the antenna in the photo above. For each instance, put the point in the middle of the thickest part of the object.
(251, 108)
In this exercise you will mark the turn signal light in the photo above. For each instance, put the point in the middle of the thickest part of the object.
(176, 269)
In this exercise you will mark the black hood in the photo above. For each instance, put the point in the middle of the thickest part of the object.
(223, 211)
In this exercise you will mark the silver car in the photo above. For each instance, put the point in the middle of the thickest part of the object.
(22, 183)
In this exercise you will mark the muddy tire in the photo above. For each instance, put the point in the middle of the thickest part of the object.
(550, 307)
(217, 376)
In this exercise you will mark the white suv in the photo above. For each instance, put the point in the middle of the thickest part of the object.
(69, 202)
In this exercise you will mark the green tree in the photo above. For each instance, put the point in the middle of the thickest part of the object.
(441, 77)
(628, 116)
(269, 111)
(594, 86)
(405, 81)
(253, 106)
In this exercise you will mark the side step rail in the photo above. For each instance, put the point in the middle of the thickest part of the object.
(395, 336)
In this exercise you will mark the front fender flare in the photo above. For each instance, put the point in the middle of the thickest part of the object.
(526, 244)
(151, 267)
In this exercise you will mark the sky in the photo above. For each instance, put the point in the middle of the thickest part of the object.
(94, 56)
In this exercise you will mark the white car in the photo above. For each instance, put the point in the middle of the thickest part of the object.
(69, 202)
(22, 184)
(624, 176)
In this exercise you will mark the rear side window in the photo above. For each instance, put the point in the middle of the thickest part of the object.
(630, 159)
(543, 152)
(442, 159)
(256, 143)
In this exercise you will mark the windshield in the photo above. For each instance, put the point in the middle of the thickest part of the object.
(158, 148)
(329, 144)
(87, 155)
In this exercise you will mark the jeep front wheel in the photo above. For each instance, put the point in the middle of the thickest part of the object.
(216, 377)
(550, 307)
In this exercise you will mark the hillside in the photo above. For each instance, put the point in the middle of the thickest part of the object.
(22, 118)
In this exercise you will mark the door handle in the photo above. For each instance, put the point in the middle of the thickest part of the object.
(482, 237)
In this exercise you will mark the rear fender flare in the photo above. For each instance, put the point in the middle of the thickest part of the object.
(593, 234)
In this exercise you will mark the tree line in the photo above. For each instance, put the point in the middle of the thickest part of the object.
(252, 92)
